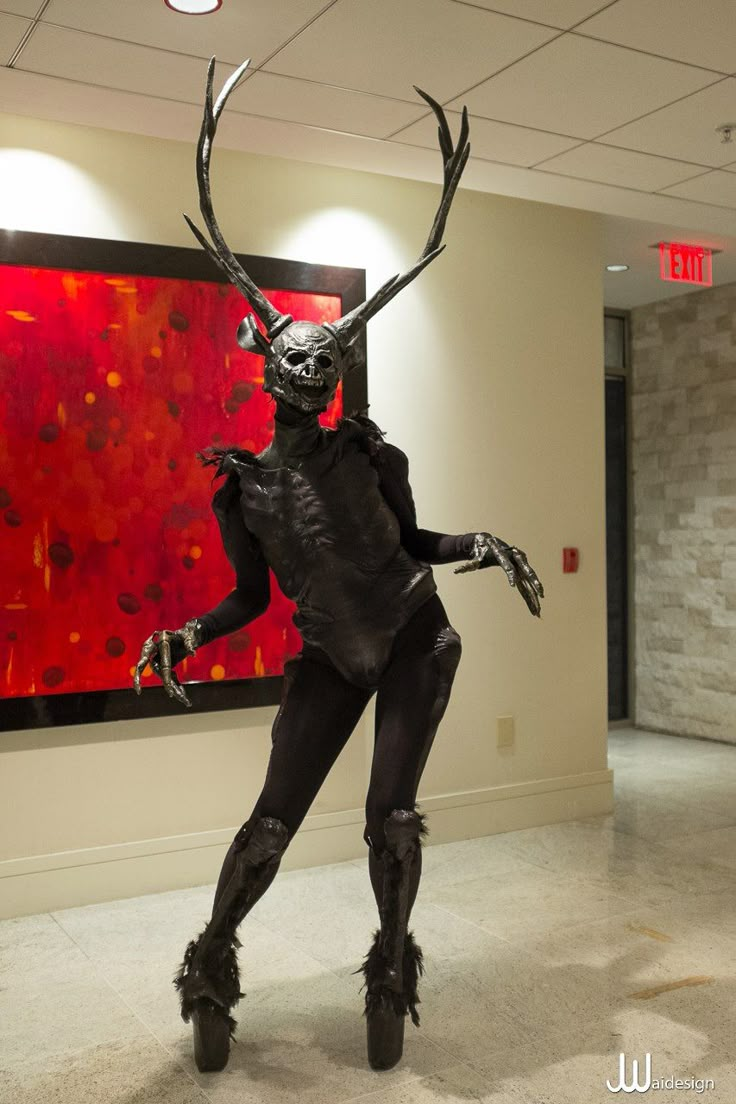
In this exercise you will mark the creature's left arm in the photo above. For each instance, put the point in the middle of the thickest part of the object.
(478, 549)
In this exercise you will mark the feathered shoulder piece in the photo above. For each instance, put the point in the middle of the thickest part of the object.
(226, 460)
(359, 427)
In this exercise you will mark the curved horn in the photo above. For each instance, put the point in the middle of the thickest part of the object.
(272, 319)
(454, 158)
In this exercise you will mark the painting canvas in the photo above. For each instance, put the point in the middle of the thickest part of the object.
(110, 383)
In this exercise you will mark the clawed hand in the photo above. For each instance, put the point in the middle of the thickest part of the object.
(488, 550)
(157, 651)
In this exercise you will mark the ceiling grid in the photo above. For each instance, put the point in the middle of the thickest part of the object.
(610, 106)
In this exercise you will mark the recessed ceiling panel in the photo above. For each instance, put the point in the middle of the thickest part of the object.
(512, 145)
(386, 47)
(240, 29)
(582, 86)
(608, 165)
(716, 187)
(11, 32)
(701, 32)
(21, 7)
(112, 64)
(323, 106)
(685, 130)
(555, 13)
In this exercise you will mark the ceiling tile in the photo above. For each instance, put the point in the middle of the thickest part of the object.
(112, 64)
(608, 165)
(11, 32)
(715, 187)
(323, 106)
(237, 31)
(582, 86)
(386, 47)
(701, 33)
(555, 13)
(21, 7)
(511, 145)
(685, 130)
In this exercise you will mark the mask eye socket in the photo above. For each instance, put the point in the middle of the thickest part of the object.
(295, 358)
(324, 362)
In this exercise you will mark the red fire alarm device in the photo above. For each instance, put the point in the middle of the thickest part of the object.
(686, 264)
(570, 560)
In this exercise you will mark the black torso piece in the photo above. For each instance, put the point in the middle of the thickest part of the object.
(333, 543)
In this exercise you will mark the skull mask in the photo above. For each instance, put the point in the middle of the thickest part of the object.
(303, 367)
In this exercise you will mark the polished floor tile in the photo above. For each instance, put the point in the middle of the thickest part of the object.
(549, 952)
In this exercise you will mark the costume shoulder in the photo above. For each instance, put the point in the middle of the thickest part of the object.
(369, 437)
(226, 460)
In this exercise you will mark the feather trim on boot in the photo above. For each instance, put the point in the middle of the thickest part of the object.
(216, 980)
(375, 971)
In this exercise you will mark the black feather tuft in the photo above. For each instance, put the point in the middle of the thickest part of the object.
(378, 993)
(216, 981)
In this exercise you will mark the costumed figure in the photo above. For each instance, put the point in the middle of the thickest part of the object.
(331, 513)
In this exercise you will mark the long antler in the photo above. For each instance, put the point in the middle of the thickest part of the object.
(347, 328)
(272, 319)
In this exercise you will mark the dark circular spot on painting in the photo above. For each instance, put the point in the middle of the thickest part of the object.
(242, 390)
(162, 334)
(48, 432)
(114, 646)
(174, 409)
(154, 592)
(150, 364)
(61, 302)
(172, 465)
(5, 497)
(223, 290)
(12, 635)
(104, 335)
(52, 676)
(96, 440)
(61, 555)
(238, 642)
(129, 603)
(13, 519)
(188, 562)
(232, 406)
(178, 321)
(115, 543)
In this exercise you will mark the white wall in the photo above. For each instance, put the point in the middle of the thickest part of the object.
(487, 371)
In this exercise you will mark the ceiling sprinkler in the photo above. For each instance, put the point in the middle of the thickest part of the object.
(726, 132)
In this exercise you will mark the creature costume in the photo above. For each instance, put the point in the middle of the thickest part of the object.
(331, 513)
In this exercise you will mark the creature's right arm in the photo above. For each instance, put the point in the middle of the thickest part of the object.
(248, 600)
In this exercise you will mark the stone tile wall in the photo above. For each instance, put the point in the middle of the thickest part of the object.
(684, 464)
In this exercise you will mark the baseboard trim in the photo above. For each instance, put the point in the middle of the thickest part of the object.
(65, 879)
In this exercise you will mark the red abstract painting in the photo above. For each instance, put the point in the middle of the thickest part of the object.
(109, 385)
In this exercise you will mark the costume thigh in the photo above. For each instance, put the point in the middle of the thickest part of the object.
(318, 712)
(411, 700)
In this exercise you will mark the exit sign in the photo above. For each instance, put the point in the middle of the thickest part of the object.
(686, 264)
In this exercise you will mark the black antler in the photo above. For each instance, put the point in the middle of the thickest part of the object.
(272, 319)
(347, 328)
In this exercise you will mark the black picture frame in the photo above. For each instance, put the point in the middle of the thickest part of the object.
(27, 248)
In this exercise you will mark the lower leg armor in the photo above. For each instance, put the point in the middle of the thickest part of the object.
(393, 965)
(208, 980)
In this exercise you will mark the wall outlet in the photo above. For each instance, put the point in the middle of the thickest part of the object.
(505, 731)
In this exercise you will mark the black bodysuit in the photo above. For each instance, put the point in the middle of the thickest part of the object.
(338, 528)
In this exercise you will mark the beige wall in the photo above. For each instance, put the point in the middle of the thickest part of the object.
(487, 371)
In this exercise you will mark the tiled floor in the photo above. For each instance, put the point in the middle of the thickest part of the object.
(549, 951)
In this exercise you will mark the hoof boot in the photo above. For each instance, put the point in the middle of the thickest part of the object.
(385, 1037)
(211, 1037)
